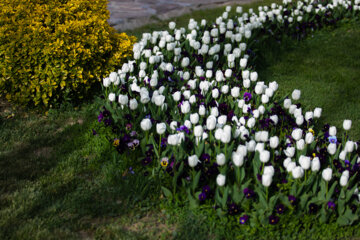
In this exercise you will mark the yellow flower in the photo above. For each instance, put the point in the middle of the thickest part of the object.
(164, 162)
(312, 131)
(314, 155)
(116, 143)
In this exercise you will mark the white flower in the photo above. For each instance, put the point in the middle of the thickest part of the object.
(187, 124)
(222, 119)
(317, 112)
(308, 116)
(299, 120)
(238, 159)
(260, 147)
(235, 92)
(241, 149)
(275, 119)
(290, 166)
(246, 83)
(264, 99)
(112, 97)
(172, 25)
(215, 93)
(286, 162)
(133, 104)
(220, 180)
(251, 122)
(254, 76)
(160, 128)
(297, 172)
(296, 94)
(225, 89)
(202, 110)
(198, 131)
(193, 160)
(219, 76)
(342, 155)
(264, 156)
(274, 142)
(176, 96)
(173, 139)
(251, 145)
(214, 111)
(327, 174)
(315, 164)
(243, 63)
(347, 125)
(123, 99)
(226, 135)
(287, 103)
(173, 125)
(106, 82)
(218, 133)
(274, 86)
(159, 100)
(331, 148)
(269, 170)
(297, 134)
(145, 124)
(185, 107)
(220, 159)
(289, 152)
(344, 180)
(349, 146)
(332, 131)
(266, 180)
(228, 73)
(194, 118)
(304, 162)
(211, 122)
(300, 144)
(309, 138)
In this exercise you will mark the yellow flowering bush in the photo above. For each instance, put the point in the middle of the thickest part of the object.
(51, 50)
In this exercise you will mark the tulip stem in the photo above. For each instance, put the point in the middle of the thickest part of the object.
(160, 147)
(327, 186)
(210, 138)
(262, 170)
(225, 151)
(267, 193)
(147, 136)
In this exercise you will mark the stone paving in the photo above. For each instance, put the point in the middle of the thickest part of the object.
(129, 14)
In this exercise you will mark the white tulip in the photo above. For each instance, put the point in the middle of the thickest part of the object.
(254, 76)
(297, 134)
(222, 119)
(215, 93)
(266, 180)
(342, 155)
(297, 172)
(331, 148)
(327, 174)
(287, 103)
(211, 122)
(194, 118)
(185, 107)
(214, 111)
(347, 125)
(238, 159)
(226, 135)
(286, 162)
(106, 82)
(269, 170)
(173, 125)
(193, 160)
(123, 99)
(290, 166)
(251, 145)
(349, 146)
(296, 94)
(243, 63)
(160, 128)
(251, 122)
(198, 131)
(304, 162)
(289, 152)
(220, 159)
(112, 97)
(133, 104)
(300, 144)
(146, 124)
(235, 92)
(315, 164)
(332, 131)
(317, 112)
(220, 180)
(264, 156)
(344, 180)
(309, 138)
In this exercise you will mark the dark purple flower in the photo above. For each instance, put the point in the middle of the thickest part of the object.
(202, 196)
(205, 158)
(347, 164)
(280, 208)
(128, 126)
(131, 170)
(248, 193)
(107, 122)
(146, 161)
(206, 189)
(273, 219)
(243, 219)
(313, 208)
(247, 96)
(233, 209)
(331, 205)
(292, 199)
(94, 132)
(100, 117)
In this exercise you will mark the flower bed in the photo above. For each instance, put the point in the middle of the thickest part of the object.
(213, 134)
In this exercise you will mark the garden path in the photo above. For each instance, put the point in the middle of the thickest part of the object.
(129, 14)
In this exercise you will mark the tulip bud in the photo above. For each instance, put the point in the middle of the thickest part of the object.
(332, 131)
(327, 174)
(193, 160)
(220, 159)
(112, 97)
(317, 112)
(266, 180)
(347, 125)
(220, 180)
(331, 148)
(315, 164)
(296, 94)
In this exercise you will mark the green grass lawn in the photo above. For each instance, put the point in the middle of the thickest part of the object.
(58, 181)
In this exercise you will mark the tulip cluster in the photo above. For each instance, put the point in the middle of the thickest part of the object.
(194, 99)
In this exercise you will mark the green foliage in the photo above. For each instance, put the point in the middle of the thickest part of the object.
(55, 51)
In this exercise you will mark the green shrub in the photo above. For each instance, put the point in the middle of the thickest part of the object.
(52, 50)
